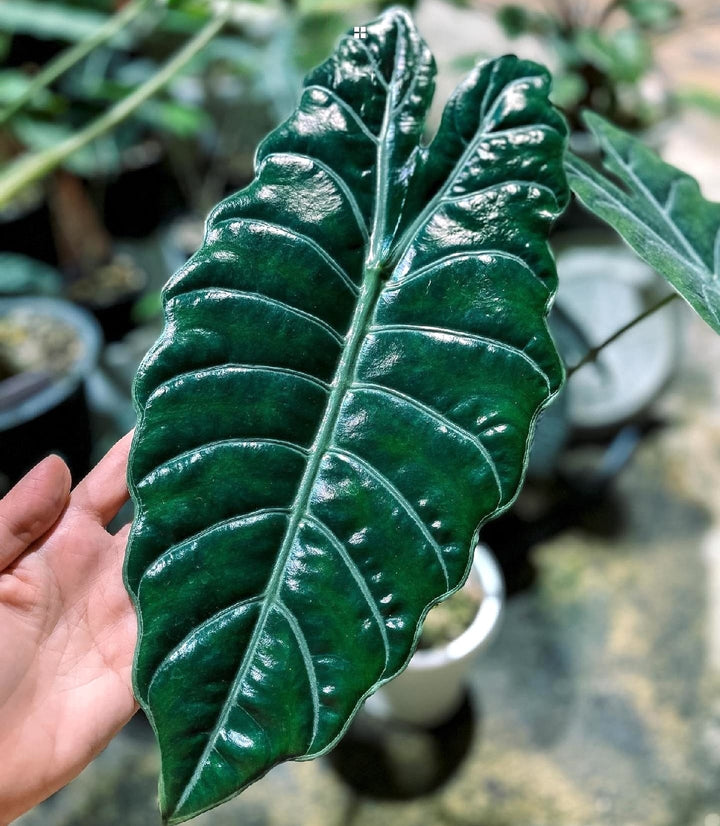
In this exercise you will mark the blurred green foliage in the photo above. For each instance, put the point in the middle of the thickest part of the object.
(253, 67)
(603, 57)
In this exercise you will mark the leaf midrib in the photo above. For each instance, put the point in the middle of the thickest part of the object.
(666, 216)
(367, 299)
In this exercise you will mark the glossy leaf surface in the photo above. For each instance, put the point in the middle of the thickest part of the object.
(346, 386)
(658, 210)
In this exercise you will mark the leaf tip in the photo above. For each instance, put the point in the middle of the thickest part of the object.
(171, 817)
(397, 12)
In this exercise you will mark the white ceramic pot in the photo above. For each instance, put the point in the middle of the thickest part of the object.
(602, 287)
(432, 687)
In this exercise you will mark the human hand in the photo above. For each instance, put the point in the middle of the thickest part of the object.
(67, 627)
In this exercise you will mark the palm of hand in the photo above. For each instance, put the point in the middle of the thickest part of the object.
(68, 627)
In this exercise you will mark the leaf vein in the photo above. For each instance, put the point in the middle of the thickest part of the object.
(354, 458)
(355, 573)
(454, 199)
(613, 198)
(216, 617)
(292, 621)
(240, 440)
(373, 62)
(639, 183)
(266, 299)
(308, 241)
(344, 188)
(435, 414)
(346, 106)
(219, 369)
(459, 256)
(488, 342)
(208, 530)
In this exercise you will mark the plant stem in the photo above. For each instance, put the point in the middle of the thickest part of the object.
(31, 167)
(74, 55)
(593, 353)
(607, 11)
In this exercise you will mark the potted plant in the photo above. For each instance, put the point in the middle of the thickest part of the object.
(110, 290)
(48, 347)
(454, 634)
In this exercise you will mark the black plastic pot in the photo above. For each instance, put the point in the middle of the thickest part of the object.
(26, 228)
(145, 194)
(35, 51)
(116, 319)
(114, 313)
(52, 415)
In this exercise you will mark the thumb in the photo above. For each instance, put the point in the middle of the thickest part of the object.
(32, 507)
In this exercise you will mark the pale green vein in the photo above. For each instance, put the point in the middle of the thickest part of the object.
(454, 257)
(630, 169)
(615, 200)
(354, 459)
(298, 236)
(489, 343)
(356, 574)
(345, 106)
(499, 186)
(291, 620)
(220, 370)
(172, 465)
(372, 59)
(199, 630)
(233, 522)
(438, 418)
(218, 292)
(343, 187)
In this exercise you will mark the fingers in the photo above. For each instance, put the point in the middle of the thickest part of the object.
(104, 490)
(32, 507)
(120, 540)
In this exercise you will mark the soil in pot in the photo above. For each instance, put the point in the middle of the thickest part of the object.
(448, 620)
(30, 343)
(110, 291)
(42, 401)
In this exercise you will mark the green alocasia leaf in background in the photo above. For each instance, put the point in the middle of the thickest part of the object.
(655, 15)
(658, 210)
(346, 386)
(624, 55)
(518, 20)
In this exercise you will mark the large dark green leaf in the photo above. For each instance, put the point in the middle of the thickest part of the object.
(345, 388)
(658, 210)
